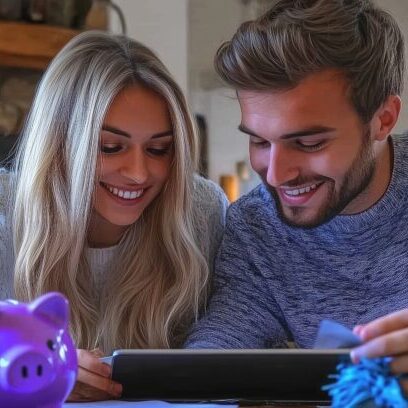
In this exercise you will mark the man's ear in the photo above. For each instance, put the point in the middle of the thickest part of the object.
(386, 117)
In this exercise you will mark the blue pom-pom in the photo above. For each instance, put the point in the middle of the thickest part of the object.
(369, 383)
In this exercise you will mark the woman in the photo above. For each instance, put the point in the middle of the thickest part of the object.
(106, 207)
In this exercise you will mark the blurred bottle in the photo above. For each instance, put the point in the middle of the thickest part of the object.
(36, 11)
(230, 184)
(98, 18)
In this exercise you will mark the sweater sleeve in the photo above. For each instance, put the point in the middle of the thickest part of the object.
(6, 245)
(210, 207)
(241, 312)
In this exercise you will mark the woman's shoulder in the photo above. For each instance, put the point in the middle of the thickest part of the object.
(5, 181)
(6, 252)
(209, 210)
(209, 196)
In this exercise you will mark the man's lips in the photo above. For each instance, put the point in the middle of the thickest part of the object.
(299, 195)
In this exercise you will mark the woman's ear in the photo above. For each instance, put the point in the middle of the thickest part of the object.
(386, 117)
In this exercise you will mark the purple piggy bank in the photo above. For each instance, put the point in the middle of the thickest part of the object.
(38, 362)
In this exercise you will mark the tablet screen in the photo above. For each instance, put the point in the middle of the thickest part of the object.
(213, 375)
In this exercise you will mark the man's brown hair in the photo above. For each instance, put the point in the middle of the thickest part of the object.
(296, 38)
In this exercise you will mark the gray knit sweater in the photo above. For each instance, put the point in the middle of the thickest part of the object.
(275, 283)
(210, 205)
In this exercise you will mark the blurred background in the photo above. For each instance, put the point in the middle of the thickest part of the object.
(184, 33)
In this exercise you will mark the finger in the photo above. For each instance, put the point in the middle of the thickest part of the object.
(383, 325)
(399, 364)
(103, 384)
(97, 353)
(86, 393)
(357, 329)
(388, 345)
(404, 387)
(88, 361)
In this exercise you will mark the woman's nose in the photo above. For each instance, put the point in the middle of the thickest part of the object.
(135, 166)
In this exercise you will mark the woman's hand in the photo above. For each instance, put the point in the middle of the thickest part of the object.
(386, 336)
(93, 381)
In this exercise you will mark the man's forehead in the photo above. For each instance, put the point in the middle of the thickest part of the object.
(311, 103)
(320, 83)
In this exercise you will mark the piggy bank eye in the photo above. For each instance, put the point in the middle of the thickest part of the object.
(51, 345)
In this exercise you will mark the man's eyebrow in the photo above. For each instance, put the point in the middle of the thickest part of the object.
(120, 132)
(249, 132)
(311, 131)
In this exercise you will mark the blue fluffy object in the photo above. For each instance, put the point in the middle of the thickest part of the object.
(366, 384)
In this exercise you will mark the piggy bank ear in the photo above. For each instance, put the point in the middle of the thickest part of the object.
(52, 307)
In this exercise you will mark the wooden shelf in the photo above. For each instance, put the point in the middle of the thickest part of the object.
(26, 45)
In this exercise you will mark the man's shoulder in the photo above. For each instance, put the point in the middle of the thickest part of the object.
(400, 142)
(257, 202)
(254, 216)
(400, 160)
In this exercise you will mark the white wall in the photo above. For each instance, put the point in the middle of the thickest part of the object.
(226, 144)
(399, 9)
(161, 25)
(211, 22)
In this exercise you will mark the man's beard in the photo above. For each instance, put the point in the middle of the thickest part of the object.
(356, 180)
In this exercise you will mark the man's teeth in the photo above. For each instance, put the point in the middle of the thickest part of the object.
(303, 190)
(127, 195)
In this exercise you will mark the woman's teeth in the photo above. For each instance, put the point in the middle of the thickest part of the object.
(127, 195)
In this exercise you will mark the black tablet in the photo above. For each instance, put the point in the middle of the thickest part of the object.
(289, 375)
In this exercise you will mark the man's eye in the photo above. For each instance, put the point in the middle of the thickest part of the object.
(310, 146)
(110, 148)
(259, 142)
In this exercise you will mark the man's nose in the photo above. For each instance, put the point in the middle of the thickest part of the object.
(282, 166)
(136, 166)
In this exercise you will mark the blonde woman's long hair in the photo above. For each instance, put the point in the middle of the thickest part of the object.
(159, 279)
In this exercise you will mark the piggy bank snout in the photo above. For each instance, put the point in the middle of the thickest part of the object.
(27, 371)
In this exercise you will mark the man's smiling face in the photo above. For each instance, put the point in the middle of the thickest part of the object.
(310, 148)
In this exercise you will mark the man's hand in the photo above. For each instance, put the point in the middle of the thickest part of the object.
(386, 336)
(93, 381)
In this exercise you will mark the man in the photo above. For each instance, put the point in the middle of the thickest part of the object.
(325, 234)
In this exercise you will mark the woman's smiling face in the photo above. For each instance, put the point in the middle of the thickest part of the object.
(136, 151)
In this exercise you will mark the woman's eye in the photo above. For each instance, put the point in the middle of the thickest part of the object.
(159, 151)
(109, 149)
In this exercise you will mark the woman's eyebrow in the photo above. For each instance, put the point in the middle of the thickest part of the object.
(120, 132)
(163, 134)
(117, 131)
